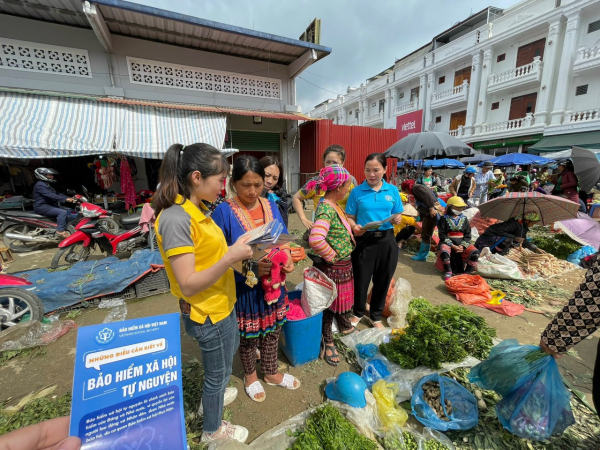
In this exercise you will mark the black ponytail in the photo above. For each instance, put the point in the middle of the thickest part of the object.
(177, 166)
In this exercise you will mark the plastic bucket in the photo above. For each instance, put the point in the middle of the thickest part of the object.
(300, 340)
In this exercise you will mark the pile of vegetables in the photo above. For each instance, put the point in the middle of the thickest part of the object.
(439, 334)
(433, 396)
(327, 429)
(529, 293)
(542, 264)
(560, 245)
(405, 440)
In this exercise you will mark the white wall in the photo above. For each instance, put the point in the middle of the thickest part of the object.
(592, 14)
(591, 99)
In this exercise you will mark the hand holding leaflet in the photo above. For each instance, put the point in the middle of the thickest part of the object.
(375, 225)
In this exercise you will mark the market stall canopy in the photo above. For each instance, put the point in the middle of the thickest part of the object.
(519, 159)
(583, 229)
(560, 142)
(410, 162)
(444, 163)
(550, 207)
(482, 157)
(33, 126)
(428, 145)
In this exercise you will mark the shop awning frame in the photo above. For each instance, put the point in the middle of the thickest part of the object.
(590, 140)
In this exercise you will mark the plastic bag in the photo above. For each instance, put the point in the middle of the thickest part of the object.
(470, 213)
(469, 289)
(399, 305)
(388, 299)
(375, 369)
(535, 404)
(116, 314)
(33, 333)
(464, 414)
(390, 413)
(318, 293)
(583, 252)
(106, 304)
(474, 235)
(492, 265)
(369, 336)
(407, 438)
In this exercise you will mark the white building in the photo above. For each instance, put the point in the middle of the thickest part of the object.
(500, 80)
(110, 76)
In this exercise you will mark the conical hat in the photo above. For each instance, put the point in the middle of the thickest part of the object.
(409, 210)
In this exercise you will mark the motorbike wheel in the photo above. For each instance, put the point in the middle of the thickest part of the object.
(20, 246)
(70, 255)
(18, 305)
(109, 225)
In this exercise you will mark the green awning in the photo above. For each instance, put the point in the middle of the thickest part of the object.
(560, 142)
(253, 141)
(508, 142)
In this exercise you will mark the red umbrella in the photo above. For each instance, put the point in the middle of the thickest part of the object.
(549, 207)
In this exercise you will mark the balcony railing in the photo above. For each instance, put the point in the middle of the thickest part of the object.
(406, 107)
(374, 119)
(456, 133)
(451, 96)
(529, 73)
(587, 57)
(582, 116)
(508, 125)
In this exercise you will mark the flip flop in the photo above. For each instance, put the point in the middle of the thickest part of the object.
(350, 331)
(288, 382)
(254, 389)
(355, 320)
(374, 323)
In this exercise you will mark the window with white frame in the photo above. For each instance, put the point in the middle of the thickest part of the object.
(381, 105)
(160, 74)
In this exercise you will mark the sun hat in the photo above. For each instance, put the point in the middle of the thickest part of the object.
(456, 201)
(409, 210)
(498, 172)
(488, 164)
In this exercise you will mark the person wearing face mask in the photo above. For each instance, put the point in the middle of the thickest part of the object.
(259, 323)
(456, 255)
(376, 255)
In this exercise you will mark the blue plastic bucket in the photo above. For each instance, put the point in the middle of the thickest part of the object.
(300, 340)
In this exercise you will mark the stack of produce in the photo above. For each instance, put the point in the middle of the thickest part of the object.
(327, 429)
(408, 440)
(439, 334)
(541, 264)
(559, 244)
(433, 395)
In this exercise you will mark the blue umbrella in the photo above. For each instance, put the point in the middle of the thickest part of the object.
(519, 159)
(413, 163)
(444, 163)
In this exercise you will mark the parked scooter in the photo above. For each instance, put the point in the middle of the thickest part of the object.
(17, 304)
(89, 235)
(27, 231)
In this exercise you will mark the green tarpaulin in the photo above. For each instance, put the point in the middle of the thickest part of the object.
(566, 141)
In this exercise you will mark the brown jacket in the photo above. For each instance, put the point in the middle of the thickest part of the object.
(456, 184)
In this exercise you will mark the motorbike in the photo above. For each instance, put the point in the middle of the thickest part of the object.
(26, 231)
(90, 234)
(17, 304)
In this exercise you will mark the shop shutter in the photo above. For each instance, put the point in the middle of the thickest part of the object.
(253, 141)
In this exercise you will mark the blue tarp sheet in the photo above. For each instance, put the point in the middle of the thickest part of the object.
(89, 279)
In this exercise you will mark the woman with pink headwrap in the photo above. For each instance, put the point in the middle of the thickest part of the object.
(332, 240)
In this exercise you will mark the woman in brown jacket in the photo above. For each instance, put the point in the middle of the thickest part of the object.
(464, 186)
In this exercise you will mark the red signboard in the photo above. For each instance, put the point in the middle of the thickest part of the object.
(409, 123)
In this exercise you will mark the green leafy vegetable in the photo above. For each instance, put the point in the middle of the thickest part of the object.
(439, 334)
(327, 429)
(560, 245)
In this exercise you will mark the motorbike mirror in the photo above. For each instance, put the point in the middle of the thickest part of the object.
(85, 191)
(70, 192)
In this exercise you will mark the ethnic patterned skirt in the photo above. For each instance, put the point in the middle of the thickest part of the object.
(255, 317)
(342, 275)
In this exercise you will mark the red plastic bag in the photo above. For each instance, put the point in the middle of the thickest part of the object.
(388, 299)
(469, 289)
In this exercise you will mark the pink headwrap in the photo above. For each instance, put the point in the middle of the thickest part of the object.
(330, 178)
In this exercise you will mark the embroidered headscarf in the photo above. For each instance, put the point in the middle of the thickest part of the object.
(330, 178)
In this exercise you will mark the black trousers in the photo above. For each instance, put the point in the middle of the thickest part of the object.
(374, 258)
(405, 233)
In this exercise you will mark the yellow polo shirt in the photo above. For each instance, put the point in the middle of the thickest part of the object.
(183, 228)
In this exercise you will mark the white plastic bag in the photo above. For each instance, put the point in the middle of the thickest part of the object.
(399, 306)
(492, 265)
(474, 234)
(319, 292)
(470, 213)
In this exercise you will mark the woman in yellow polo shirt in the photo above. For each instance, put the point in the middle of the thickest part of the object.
(334, 154)
(198, 264)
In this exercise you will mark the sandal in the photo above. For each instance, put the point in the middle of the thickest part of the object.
(329, 358)
(254, 389)
(355, 320)
(375, 323)
(288, 382)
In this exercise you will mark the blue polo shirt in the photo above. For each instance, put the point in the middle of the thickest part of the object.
(369, 205)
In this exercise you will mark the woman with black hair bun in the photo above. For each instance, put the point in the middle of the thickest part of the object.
(275, 186)
(259, 323)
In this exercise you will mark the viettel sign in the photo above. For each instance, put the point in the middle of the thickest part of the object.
(409, 123)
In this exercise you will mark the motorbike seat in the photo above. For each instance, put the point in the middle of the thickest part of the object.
(132, 220)
(27, 214)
